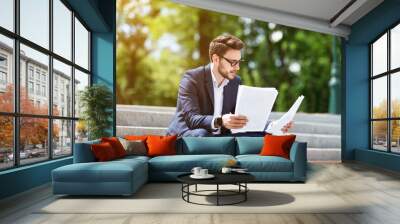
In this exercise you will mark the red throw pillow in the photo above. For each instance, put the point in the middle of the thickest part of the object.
(103, 151)
(116, 145)
(135, 137)
(277, 145)
(161, 145)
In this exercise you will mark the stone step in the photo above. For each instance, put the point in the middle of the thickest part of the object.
(152, 116)
(311, 117)
(140, 130)
(162, 119)
(313, 140)
(144, 108)
(316, 128)
(307, 117)
(319, 140)
(324, 154)
(144, 118)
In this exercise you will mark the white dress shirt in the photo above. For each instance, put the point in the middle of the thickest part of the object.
(218, 98)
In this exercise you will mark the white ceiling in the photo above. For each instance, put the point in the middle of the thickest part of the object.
(316, 15)
(321, 9)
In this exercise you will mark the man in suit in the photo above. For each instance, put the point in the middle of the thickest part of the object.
(207, 94)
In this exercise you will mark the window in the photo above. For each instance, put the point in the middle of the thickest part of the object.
(37, 74)
(7, 86)
(3, 72)
(54, 125)
(30, 87)
(385, 94)
(3, 78)
(44, 91)
(62, 74)
(62, 29)
(3, 61)
(44, 77)
(7, 14)
(81, 45)
(38, 89)
(35, 22)
(30, 72)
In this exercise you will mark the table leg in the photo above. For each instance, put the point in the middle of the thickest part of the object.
(245, 193)
(196, 188)
(217, 194)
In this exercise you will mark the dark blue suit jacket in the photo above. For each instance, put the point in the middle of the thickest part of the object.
(195, 103)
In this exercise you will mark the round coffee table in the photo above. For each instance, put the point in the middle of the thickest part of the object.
(238, 179)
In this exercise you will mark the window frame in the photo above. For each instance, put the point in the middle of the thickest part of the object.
(16, 114)
(388, 74)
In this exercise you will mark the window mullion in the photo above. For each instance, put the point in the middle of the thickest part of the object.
(389, 106)
(16, 84)
(50, 81)
(73, 82)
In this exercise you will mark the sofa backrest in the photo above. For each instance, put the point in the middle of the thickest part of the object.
(249, 145)
(206, 145)
(83, 152)
(190, 146)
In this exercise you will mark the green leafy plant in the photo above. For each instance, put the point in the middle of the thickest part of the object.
(96, 103)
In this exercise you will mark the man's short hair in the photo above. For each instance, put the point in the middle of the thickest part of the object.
(221, 44)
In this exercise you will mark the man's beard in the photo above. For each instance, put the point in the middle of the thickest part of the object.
(223, 73)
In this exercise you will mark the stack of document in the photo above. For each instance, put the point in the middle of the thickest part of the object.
(256, 104)
(277, 126)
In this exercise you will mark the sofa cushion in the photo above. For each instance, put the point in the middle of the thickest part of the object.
(208, 145)
(134, 147)
(277, 145)
(103, 151)
(185, 163)
(112, 171)
(136, 137)
(161, 145)
(249, 145)
(116, 145)
(257, 163)
(130, 158)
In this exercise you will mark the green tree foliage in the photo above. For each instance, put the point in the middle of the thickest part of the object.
(158, 40)
(96, 102)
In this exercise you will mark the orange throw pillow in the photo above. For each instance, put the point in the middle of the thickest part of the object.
(116, 145)
(135, 137)
(161, 145)
(277, 145)
(103, 151)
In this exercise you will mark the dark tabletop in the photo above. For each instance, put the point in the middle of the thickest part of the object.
(220, 178)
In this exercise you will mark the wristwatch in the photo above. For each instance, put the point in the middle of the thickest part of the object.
(218, 122)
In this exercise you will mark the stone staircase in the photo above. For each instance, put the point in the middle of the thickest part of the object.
(320, 131)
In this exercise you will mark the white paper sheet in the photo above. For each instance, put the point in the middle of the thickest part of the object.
(286, 118)
(256, 104)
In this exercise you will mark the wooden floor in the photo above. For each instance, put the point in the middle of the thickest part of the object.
(378, 189)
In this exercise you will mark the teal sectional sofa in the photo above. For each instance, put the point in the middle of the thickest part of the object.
(125, 176)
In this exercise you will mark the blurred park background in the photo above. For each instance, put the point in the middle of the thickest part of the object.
(157, 40)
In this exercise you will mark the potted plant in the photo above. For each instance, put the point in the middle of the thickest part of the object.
(96, 103)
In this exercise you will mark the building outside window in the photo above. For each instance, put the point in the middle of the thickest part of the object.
(385, 94)
(59, 133)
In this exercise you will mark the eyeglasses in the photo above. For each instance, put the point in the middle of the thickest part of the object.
(232, 62)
